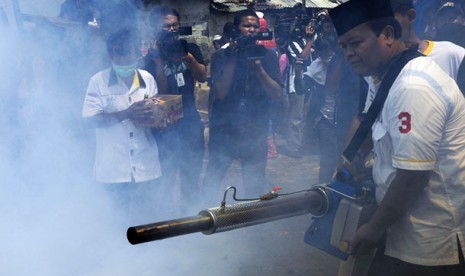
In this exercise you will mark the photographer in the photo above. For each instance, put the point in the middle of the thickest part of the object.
(299, 53)
(245, 79)
(176, 65)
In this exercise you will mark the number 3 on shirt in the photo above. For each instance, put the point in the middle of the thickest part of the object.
(405, 122)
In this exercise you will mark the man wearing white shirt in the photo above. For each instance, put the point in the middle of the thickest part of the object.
(126, 154)
(419, 147)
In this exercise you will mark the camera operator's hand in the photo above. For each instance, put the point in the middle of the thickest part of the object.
(256, 65)
(233, 47)
(310, 31)
(271, 86)
(188, 58)
(170, 46)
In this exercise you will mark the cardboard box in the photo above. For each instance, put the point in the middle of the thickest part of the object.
(163, 107)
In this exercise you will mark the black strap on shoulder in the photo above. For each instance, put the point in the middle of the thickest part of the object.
(461, 77)
(375, 108)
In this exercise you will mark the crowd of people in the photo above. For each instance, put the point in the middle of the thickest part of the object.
(322, 72)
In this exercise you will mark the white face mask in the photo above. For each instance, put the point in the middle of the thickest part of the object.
(124, 71)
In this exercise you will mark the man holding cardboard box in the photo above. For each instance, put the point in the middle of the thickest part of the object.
(126, 153)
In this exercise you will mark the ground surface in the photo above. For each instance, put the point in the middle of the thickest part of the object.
(275, 248)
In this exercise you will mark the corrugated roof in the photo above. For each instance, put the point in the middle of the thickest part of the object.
(237, 5)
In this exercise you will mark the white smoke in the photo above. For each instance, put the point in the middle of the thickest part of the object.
(55, 219)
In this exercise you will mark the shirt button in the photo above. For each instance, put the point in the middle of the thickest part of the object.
(134, 168)
(132, 152)
(131, 134)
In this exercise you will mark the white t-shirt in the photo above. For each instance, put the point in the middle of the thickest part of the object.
(422, 127)
(446, 54)
(123, 151)
(317, 70)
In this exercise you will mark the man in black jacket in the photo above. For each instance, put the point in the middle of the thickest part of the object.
(176, 66)
(245, 79)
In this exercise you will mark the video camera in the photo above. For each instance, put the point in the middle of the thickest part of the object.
(247, 45)
(170, 44)
(292, 26)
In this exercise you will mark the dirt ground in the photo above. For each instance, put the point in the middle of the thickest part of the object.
(275, 248)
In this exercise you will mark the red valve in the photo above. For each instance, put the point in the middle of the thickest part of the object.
(276, 188)
(271, 194)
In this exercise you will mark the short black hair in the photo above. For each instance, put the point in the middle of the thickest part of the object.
(229, 30)
(238, 17)
(160, 12)
(122, 41)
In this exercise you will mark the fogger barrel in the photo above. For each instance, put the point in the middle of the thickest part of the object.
(230, 217)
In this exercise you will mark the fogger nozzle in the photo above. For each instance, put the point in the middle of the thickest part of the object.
(230, 217)
(169, 228)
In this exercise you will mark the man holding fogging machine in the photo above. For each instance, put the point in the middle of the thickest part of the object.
(176, 65)
(419, 145)
(245, 79)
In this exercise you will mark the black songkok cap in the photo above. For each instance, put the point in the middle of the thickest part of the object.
(355, 12)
